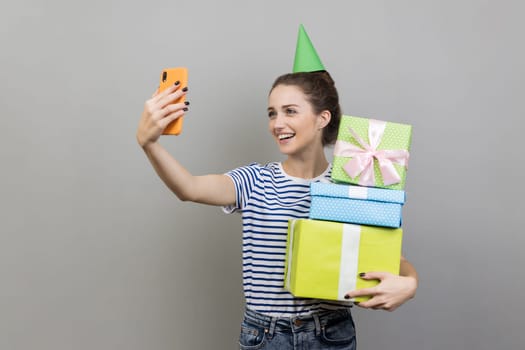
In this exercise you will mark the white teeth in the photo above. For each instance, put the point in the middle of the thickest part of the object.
(285, 136)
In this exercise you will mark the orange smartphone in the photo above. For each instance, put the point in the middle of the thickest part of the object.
(168, 77)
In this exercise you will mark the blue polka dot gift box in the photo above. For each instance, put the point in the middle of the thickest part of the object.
(356, 204)
(371, 153)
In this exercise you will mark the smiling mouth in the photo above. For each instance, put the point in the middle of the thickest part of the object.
(285, 136)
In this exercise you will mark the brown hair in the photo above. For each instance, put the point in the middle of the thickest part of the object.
(321, 92)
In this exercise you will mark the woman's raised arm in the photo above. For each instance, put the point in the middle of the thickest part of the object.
(158, 112)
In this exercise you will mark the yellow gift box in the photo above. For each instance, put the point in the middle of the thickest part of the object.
(324, 258)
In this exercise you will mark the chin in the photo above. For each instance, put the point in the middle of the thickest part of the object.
(284, 148)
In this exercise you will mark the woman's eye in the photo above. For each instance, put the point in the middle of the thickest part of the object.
(271, 114)
(290, 111)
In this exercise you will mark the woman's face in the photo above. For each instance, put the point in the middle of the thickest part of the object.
(292, 122)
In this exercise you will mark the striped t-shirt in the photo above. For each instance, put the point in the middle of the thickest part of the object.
(267, 197)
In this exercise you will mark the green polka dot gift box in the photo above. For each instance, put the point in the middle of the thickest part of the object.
(371, 153)
(356, 204)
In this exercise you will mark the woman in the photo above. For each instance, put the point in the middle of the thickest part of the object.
(303, 117)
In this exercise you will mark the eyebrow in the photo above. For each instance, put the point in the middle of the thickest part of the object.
(285, 106)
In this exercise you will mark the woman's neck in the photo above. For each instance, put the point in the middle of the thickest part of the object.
(305, 167)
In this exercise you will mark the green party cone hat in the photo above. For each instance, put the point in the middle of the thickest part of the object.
(306, 58)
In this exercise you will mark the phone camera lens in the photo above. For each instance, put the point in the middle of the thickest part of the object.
(164, 76)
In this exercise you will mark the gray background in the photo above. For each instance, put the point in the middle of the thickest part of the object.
(95, 253)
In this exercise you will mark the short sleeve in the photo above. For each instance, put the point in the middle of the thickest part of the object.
(244, 179)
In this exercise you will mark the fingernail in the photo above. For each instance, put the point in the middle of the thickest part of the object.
(185, 109)
(187, 103)
(362, 274)
(347, 296)
(185, 89)
(177, 83)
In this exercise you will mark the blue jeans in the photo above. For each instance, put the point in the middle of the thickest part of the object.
(323, 330)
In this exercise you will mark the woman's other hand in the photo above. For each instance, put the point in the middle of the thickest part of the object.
(391, 292)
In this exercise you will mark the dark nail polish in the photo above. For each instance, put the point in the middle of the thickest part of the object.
(177, 83)
(347, 296)
(362, 274)
(187, 103)
(185, 109)
(185, 89)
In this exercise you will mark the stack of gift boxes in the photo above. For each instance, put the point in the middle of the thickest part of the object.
(354, 224)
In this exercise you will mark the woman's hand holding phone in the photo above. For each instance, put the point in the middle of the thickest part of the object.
(163, 109)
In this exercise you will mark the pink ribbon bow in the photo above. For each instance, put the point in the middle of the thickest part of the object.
(362, 162)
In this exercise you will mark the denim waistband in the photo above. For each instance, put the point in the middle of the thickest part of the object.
(314, 321)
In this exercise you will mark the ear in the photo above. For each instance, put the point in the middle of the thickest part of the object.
(324, 118)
